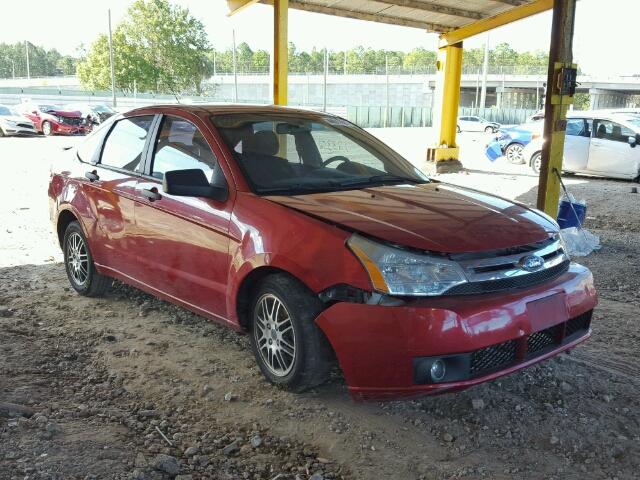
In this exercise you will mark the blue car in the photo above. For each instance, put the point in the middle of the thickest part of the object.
(511, 140)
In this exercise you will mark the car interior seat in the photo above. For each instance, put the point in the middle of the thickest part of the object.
(259, 155)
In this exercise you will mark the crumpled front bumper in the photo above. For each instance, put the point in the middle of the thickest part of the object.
(377, 346)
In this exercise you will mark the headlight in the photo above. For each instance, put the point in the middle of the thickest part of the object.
(10, 122)
(400, 272)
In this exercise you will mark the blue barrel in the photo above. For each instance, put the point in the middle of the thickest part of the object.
(566, 216)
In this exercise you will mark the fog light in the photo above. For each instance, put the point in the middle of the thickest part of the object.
(438, 370)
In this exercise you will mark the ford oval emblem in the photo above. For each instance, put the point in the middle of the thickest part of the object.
(531, 263)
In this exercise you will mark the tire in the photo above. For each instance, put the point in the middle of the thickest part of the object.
(536, 160)
(513, 152)
(2, 134)
(46, 129)
(489, 130)
(291, 351)
(86, 281)
(458, 129)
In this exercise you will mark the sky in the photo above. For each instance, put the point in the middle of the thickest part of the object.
(605, 41)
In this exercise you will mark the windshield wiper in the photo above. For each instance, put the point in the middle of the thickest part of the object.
(385, 177)
(301, 187)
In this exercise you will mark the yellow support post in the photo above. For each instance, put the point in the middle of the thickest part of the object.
(445, 114)
(280, 51)
(560, 87)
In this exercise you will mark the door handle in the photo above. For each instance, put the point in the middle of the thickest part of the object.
(151, 194)
(92, 176)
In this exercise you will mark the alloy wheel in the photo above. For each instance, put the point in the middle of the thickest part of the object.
(514, 153)
(77, 259)
(274, 335)
(46, 128)
(537, 163)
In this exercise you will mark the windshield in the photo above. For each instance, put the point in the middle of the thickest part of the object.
(49, 108)
(285, 154)
(7, 112)
(635, 121)
(102, 109)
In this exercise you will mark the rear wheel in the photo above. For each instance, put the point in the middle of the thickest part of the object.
(514, 153)
(46, 128)
(290, 349)
(458, 128)
(489, 130)
(536, 162)
(78, 263)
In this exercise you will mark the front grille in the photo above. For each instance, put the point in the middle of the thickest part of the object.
(579, 324)
(509, 283)
(72, 120)
(545, 338)
(502, 355)
(494, 357)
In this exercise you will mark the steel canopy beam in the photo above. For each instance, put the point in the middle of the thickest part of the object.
(481, 26)
(371, 17)
(237, 5)
(435, 8)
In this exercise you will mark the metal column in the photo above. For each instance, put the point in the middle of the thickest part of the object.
(280, 51)
(447, 101)
(556, 105)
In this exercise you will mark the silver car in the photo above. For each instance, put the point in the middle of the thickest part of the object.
(12, 123)
(472, 123)
(597, 143)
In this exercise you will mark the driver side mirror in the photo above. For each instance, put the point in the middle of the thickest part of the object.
(192, 183)
(633, 141)
(35, 112)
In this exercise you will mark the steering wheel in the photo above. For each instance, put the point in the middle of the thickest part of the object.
(336, 158)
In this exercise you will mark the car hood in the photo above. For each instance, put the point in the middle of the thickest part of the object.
(15, 118)
(65, 113)
(435, 216)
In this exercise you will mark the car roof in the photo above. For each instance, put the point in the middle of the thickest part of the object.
(225, 109)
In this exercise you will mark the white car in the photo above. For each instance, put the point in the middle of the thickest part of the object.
(597, 143)
(476, 124)
(12, 123)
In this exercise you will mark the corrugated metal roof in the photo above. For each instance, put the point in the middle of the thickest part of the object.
(431, 15)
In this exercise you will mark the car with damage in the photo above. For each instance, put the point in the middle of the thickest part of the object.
(599, 143)
(12, 123)
(322, 244)
(50, 119)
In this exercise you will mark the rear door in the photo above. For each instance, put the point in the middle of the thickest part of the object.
(185, 240)
(576, 144)
(112, 189)
(610, 153)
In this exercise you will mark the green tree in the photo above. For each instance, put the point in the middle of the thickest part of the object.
(157, 47)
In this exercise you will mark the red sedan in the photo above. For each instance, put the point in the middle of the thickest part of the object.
(321, 243)
(54, 120)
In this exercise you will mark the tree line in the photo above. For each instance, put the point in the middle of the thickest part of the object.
(160, 47)
(42, 62)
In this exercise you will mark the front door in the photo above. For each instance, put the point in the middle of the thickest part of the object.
(610, 153)
(576, 144)
(184, 240)
(111, 188)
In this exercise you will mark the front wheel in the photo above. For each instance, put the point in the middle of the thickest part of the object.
(536, 162)
(78, 263)
(489, 130)
(46, 129)
(290, 349)
(514, 153)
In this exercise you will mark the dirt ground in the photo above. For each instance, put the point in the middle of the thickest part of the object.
(129, 387)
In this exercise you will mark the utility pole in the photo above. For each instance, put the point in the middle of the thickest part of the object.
(477, 88)
(214, 63)
(344, 69)
(26, 47)
(386, 72)
(235, 68)
(485, 71)
(560, 87)
(324, 86)
(113, 71)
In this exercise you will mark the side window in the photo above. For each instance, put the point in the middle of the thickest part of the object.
(464, 119)
(180, 146)
(125, 143)
(608, 130)
(474, 119)
(576, 127)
